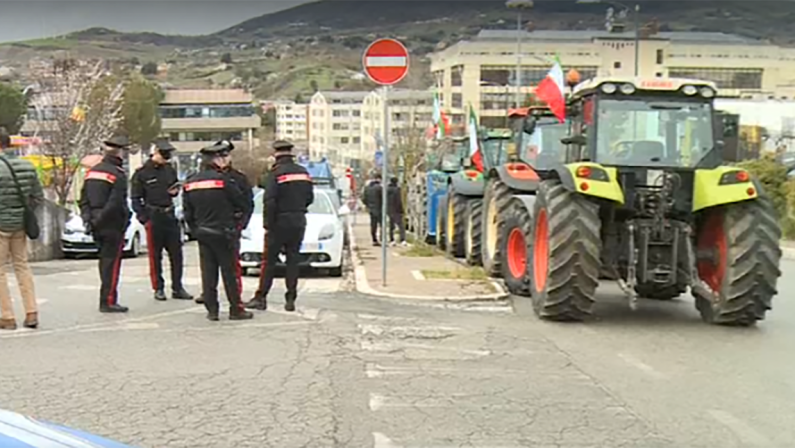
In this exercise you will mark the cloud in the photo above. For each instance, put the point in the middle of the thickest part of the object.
(29, 19)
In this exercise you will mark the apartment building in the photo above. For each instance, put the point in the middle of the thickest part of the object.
(482, 72)
(192, 119)
(410, 116)
(334, 125)
(291, 122)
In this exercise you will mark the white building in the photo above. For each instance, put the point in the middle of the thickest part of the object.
(334, 126)
(291, 122)
(410, 116)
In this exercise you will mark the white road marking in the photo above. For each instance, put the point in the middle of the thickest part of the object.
(382, 441)
(381, 317)
(747, 434)
(417, 275)
(378, 402)
(80, 287)
(430, 332)
(391, 347)
(125, 326)
(373, 370)
(640, 365)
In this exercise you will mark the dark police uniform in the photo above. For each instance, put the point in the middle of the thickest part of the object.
(243, 216)
(288, 194)
(106, 215)
(153, 189)
(258, 296)
(211, 201)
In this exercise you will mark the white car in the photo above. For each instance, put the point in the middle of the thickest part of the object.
(322, 247)
(75, 241)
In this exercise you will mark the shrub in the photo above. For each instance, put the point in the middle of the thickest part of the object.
(777, 185)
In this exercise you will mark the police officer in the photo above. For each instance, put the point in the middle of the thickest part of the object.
(242, 217)
(288, 194)
(270, 165)
(106, 215)
(154, 187)
(211, 201)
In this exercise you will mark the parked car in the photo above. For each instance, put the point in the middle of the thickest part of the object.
(17, 430)
(322, 247)
(75, 241)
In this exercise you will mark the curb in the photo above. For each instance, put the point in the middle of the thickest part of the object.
(788, 253)
(363, 285)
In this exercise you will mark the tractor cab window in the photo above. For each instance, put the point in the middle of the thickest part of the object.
(543, 149)
(495, 151)
(657, 133)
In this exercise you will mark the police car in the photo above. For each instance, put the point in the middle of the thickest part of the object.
(323, 243)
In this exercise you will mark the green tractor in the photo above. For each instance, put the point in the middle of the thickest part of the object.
(642, 193)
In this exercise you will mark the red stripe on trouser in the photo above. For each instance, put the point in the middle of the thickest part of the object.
(114, 282)
(150, 250)
(238, 267)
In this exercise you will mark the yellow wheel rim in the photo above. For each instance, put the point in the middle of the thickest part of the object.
(491, 231)
(450, 221)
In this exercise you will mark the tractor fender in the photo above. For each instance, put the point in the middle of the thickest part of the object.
(719, 186)
(601, 182)
(526, 201)
(467, 186)
(518, 176)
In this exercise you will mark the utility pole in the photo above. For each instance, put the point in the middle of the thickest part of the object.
(519, 5)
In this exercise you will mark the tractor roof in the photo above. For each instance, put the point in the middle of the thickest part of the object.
(525, 111)
(498, 133)
(656, 85)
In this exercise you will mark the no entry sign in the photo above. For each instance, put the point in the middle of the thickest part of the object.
(386, 61)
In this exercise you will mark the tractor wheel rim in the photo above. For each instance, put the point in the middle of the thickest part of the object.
(517, 254)
(491, 231)
(450, 221)
(541, 251)
(713, 237)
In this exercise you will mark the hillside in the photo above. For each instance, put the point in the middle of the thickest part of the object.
(318, 45)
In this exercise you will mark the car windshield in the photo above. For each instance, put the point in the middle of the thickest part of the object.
(320, 206)
(661, 133)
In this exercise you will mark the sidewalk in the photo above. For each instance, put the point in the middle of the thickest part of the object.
(415, 272)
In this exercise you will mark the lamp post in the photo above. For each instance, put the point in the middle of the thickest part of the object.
(519, 5)
(636, 20)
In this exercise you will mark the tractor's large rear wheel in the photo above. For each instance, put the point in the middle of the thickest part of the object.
(744, 238)
(473, 231)
(565, 253)
(456, 220)
(517, 238)
(441, 223)
(496, 202)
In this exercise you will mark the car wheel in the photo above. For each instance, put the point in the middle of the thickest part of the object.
(336, 272)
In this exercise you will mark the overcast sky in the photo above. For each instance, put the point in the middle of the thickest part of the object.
(28, 19)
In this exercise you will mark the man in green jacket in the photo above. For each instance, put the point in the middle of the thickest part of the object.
(13, 240)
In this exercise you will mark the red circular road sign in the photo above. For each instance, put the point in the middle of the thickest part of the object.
(386, 61)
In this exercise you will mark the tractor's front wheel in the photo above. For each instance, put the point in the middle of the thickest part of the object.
(516, 238)
(441, 224)
(565, 253)
(473, 232)
(744, 239)
(496, 201)
(456, 219)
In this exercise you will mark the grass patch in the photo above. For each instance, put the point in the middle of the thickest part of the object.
(420, 250)
(457, 274)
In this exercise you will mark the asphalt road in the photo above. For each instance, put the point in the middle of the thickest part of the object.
(354, 371)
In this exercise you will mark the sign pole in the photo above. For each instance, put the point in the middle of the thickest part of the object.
(384, 183)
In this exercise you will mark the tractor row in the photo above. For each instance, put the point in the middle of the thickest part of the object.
(634, 186)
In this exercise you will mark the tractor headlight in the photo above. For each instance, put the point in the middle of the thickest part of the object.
(627, 89)
(689, 90)
(707, 92)
(326, 233)
(609, 88)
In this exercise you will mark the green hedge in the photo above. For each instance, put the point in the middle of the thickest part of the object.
(781, 190)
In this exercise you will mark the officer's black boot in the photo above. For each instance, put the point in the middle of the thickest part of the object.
(113, 308)
(160, 295)
(289, 302)
(181, 294)
(199, 299)
(258, 303)
(212, 316)
(239, 313)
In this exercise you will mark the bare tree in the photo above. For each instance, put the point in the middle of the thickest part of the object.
(80, 108)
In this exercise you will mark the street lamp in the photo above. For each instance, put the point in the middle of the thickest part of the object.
(637, 25)
(519, 5)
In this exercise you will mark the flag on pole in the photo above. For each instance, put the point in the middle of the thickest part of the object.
(475, 153)
(441, 124)
(551, 90)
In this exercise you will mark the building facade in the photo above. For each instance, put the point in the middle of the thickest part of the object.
(193, 119)
(482, 72)
(334, 125)
(291, 122)
(410, 116)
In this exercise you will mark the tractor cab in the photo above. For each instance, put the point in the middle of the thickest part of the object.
(497, 147)
(537, 135)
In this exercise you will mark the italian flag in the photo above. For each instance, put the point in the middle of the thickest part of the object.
(551, 91)
(475, 154)
(441, 124)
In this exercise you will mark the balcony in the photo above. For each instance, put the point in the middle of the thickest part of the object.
(200, 124)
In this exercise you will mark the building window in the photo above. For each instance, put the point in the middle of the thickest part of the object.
(357, 113)
(457, 100)
(357, 140)
(617, 64)
(724, 78)
(344, 140)
(660, 57)
(456, 75)
(220, 111)
(339, 126)
(495, 101)
(504, 75)
(340, 113)
(205, 136)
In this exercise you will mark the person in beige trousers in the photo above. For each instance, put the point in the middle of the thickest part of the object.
(13, 240)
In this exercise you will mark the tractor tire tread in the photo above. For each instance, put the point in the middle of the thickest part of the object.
(474, 238)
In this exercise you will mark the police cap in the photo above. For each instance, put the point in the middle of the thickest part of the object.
(164, 146)
(118, 141)
(283, 146)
